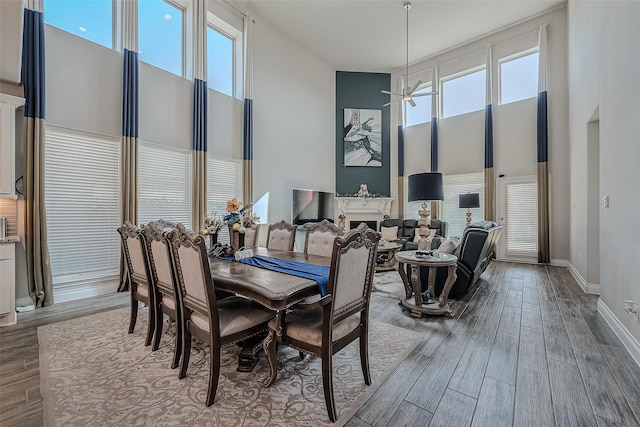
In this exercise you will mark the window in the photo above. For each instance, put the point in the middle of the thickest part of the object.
(464, 93)
(421, 113)
(220, 70)
(518, 77)
(83, 207)
(453, 186)
(92, 20)
(161, 35)
(164, 184)
(223, 183)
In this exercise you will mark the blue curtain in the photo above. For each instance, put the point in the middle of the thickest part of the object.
(39, 280)
(247, 151)
(489, 187)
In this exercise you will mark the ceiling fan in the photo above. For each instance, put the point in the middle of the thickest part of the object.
(408, 92)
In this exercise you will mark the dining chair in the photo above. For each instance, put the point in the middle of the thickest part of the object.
(251, 236)
(319, 238)
(325, 326)
(215, 322)
(162, 281)
(281, 236)
(138, 271)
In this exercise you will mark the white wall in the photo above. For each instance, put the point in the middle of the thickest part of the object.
(461, 138)
(604, 57)
(294, 120)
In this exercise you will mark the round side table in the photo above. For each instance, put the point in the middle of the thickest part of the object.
(432, 261)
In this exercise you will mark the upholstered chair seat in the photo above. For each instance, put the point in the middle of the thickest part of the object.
(306, 326)
(235, 315)
(143, 290)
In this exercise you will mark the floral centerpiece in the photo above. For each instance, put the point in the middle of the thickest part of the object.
(238, 220)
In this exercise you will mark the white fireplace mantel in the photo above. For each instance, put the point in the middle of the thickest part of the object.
(364, 208)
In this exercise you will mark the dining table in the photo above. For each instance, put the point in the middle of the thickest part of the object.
(274, 290)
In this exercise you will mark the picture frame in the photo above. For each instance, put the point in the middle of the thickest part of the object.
(362, 137)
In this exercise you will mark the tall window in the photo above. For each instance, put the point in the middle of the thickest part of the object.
(224, 182)
(461, 184)
(220, 70)
(518, 77)
(92, 20)
(164, 184)
(83, 207)
(161, 35)
(421, 113)
(464, 93)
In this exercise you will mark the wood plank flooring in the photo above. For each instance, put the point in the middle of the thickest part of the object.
(526, 347)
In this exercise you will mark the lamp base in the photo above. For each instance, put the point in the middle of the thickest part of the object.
(468, 216)
(425, 241)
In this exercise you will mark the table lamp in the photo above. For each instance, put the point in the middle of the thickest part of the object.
(425, 187)
(469, 200)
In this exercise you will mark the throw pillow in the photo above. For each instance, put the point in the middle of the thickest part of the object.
(416, 237)
(449, 246)
(389, 233)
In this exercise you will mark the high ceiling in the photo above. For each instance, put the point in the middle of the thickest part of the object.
(370, 35)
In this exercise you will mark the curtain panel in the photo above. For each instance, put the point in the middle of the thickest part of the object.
(39, 279)
(130, 116)
(247, 129)
(489, 179)
(200, 126)
(544, 255)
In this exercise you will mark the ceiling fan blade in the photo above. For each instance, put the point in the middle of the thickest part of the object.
(415, 86)
(392, 102)
(390, 93)
(425, 94)
(411, 101)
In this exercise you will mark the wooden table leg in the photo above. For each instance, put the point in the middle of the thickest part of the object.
(417, 291)
(451, 279)
(432, 281)
(405, 280)
(270, 344)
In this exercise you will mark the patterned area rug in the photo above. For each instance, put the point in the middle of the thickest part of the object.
(94, 373)
(388, 284)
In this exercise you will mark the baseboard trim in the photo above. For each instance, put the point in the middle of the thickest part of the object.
(71, 293)
(590, 288)
(629, 341)
(559, 262)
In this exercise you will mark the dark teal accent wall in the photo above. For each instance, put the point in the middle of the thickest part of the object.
(362, 90)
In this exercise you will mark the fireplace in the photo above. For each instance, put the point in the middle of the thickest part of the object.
(370, 210)
(371, 224)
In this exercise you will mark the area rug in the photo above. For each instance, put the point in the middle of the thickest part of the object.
(388, 284)
(94, 373)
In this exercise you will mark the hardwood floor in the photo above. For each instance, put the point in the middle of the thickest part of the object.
(526, 347)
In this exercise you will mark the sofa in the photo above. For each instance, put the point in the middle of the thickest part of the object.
(475, 251)
(406, 231)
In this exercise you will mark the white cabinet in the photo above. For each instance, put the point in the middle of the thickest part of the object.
(7, 284)
(8, 105)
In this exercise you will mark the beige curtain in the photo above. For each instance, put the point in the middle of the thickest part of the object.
(247, 133)
(39, 280)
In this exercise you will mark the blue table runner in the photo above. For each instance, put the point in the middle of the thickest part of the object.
(319, 273)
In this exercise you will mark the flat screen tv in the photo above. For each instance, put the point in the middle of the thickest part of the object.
(311, 206)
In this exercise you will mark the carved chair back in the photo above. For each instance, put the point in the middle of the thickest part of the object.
(281, 236)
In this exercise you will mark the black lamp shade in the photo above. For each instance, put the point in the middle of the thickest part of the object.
(426, 186)
(469, 200)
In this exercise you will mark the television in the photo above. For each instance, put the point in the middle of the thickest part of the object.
(311, 206)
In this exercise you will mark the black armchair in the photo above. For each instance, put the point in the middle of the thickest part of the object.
(406, 231)
(474, 253)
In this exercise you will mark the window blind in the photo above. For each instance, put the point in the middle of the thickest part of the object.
(461, 184)
(83, 207)
(224, 182)
(164, 184)
(521, 210)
